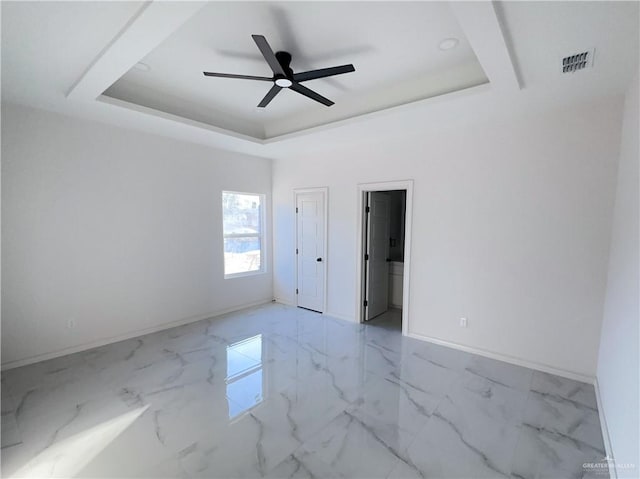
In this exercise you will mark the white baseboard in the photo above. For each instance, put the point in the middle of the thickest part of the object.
(132, 334)
(284, 301)
(613, 473)
(350, 319)
(508, 359)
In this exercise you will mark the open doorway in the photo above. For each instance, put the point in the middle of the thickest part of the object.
(384, 245)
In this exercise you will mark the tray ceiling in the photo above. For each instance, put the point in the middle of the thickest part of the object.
(394, 47)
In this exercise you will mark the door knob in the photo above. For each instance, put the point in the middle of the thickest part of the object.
(319, 260)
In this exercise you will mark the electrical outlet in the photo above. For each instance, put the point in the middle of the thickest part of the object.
(71, 323)
(464, 323)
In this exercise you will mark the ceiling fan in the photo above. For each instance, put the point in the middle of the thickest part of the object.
(283, 76)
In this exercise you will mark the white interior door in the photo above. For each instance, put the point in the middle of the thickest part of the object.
(310, 243)
(377, 251)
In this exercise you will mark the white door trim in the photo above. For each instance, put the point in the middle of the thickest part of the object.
(406, 185)
(325, 194)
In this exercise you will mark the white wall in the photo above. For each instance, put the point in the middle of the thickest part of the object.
(510, 229)
(618, 359)
(117, 230)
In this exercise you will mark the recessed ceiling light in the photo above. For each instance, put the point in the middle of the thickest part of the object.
(143, 67)
(448, 44)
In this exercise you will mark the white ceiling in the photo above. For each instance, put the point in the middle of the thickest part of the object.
(393, 45)
(542, 33)
(49, 48)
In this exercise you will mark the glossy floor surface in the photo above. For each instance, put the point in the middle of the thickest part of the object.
(277, 391)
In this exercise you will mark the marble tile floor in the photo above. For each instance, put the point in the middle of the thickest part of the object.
(276, 392)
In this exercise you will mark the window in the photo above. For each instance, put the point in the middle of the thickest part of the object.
(242, 225)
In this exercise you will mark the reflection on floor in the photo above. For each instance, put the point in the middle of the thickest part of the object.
(279, 392)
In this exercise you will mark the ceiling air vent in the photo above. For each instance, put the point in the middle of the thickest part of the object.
(578, 61)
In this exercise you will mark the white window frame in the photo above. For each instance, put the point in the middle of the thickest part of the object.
(262, 235)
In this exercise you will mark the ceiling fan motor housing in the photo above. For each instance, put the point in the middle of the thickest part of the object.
(284, 59)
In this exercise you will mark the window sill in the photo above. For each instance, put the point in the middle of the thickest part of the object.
(244, 275)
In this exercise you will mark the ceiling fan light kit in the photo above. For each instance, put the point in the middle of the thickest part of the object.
(283, 82)
(283, 75)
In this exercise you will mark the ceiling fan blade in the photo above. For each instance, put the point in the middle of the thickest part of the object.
(275, 89)
(323, 73)
(303, 90)
(231, 75)
(268, 54)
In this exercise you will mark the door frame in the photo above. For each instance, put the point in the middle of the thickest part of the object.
(325, 194)
(363, 188)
